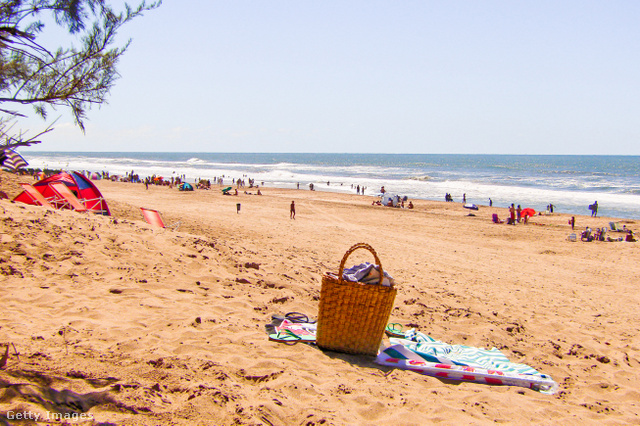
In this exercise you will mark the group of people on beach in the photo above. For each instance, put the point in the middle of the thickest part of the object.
(449, 198)
(359, 189)
(515, 212)
(602, 234)
(518, 215)
(393, 201)
(515, 215)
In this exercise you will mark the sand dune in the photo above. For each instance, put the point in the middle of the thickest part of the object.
(129, 324)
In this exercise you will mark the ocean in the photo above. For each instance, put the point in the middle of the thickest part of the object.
(570, 183)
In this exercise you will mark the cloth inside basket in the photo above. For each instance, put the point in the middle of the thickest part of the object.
(366, 273)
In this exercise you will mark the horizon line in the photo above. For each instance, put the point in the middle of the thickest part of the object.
(330, 153)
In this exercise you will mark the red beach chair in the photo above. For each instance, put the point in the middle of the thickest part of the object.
(153, 218)
(67, 199)
(36, 196)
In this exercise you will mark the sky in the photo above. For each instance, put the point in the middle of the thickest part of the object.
(486, 77)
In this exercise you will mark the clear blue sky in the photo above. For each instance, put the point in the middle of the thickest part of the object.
(513, 77)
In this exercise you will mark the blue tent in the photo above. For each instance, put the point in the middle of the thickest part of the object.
(386, 197)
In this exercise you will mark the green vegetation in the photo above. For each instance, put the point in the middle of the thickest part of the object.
(74, 77)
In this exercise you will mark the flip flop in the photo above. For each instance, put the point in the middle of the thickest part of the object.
(289, 337)
(290, 332)
(394, 330)
(296, 317)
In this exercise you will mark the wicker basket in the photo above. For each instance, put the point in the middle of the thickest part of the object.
(352, 315)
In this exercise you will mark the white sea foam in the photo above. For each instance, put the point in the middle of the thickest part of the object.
(195, 160)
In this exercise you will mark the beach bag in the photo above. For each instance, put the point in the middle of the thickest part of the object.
(353, 315)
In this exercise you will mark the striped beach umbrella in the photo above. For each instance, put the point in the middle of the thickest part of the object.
(11, 160)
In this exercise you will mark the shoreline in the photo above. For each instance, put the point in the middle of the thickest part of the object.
(151, 326)
(571, 185)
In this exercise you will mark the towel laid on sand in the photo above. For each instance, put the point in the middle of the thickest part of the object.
(439, 352)
(423, 354)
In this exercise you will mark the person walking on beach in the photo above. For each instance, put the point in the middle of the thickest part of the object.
(292, 212)
(490, 202)
(594, 209)
(573, 222)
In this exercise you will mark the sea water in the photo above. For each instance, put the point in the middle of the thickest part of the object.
(570, 183)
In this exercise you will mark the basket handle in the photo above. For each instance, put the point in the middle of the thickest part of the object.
(351, 250)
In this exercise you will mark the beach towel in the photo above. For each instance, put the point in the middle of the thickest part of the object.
(423, 354)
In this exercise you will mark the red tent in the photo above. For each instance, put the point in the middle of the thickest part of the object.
(82, 187)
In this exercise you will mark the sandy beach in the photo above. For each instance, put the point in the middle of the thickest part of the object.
(131, 324)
